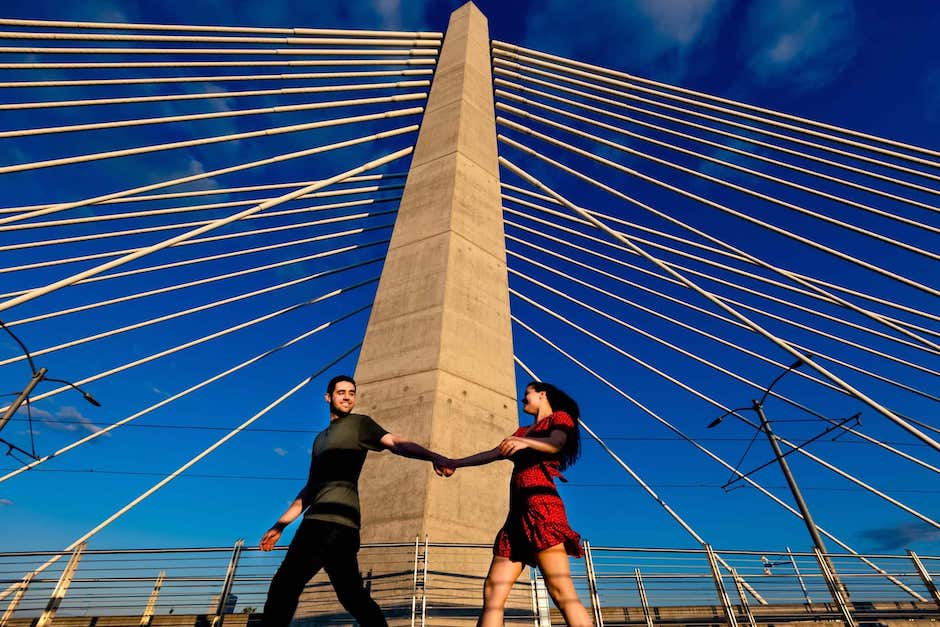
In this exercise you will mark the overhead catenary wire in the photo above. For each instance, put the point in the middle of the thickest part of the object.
(704, 361)
(728, 122)
(185, 392)
(202, 141)
(202, 229)
(859, 395)
(201, 340)
(831, 127)
(203, 175)
(133, 503)
(645, 486)
(756, 260)
(687, 136)
(739, 168)
(763, 120)
(649, 412)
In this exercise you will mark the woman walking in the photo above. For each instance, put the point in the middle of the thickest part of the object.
(536, 531)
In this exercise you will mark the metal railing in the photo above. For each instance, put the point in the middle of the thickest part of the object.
(425, 583)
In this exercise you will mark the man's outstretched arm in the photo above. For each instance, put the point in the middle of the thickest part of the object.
(272, 535)
(400, 445)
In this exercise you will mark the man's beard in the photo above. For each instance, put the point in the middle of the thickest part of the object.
(338, 411)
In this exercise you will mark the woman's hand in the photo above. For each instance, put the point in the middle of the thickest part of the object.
(512, 445)
(444, 466)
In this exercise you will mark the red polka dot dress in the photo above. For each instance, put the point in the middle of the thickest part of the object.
(537, 518)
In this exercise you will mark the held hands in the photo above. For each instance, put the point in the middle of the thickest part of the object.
(444, 466)
(512, 445)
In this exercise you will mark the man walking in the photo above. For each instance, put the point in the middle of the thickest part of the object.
(328, 537)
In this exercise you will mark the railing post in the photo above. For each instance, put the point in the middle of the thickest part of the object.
(720, 587)
(592, 584)
(925, 576)
(424, 584)
(643, 600)
(227, 585)
(799, 577)
(17, 597)
(414, 588)
(835, 588)
(61, 587)
(542, 611)
(152, 602)
(743, 596)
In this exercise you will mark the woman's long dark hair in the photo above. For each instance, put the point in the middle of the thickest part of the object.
(560, 401)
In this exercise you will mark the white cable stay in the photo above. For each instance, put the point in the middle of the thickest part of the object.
(185, 312)
(198, 240)
(720, 406)
(713, 456)
(687, 136)
(787, 303)
(107, 217)
(226, 255)
(215, 191)
(200, 340)
(733, 166)
(764, 264)
(124, 65)
(769, 281)
(47, 104)
(219, 29)
(725, 209)
(747, 116)
(187, 284)
(859, 395)
(277, 109)
(203, 141)
(307, 52)
(107, 521)
(646, 487)
(203, 175)
(200, 230)
(693, 307)
(400, 42)
(710, 364)
(718, 265)
(178, 395)
(500, 64)
(181, 225)
(218, 78)
(736, 103)
(203, 259)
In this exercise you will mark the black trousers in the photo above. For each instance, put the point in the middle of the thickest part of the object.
(319, 544)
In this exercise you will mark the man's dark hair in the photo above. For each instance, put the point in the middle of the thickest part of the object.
(338, 379)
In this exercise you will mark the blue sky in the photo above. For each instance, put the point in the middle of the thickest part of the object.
(840, 62)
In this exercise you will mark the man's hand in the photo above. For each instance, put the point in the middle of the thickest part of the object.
(443, 466)
(270, 538)
(512, 445)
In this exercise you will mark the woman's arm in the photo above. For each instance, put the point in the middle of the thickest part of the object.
(551, 445)
(479, 459)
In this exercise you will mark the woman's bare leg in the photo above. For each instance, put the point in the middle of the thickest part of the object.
(553, 562)
(499, 580)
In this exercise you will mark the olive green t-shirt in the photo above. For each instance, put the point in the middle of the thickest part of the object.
(338, 454)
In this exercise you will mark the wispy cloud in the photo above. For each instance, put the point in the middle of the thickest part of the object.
(5, 502)
(901, 536)
(801, 44)
(279, 451)
(66, 419)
